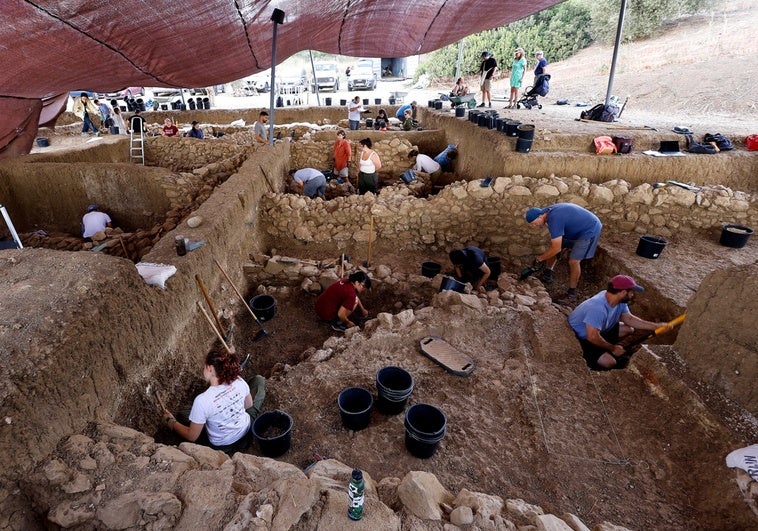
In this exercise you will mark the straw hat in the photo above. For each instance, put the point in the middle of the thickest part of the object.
(519, 50)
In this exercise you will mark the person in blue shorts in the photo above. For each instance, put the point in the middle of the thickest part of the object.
(600, 321)
(571, 227)
(470, 264)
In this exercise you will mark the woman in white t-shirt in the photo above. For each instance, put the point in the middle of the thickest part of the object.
(368, 180)
(222, 415)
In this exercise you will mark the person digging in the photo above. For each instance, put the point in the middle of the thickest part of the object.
(340, 306)
(222, 416)
(602, 320)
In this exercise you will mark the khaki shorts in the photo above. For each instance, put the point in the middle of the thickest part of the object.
(486, 84)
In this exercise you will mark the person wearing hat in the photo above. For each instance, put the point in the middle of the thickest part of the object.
(541, 67)
(603, 319)
(487, 69)
(517, 75)
(94, 221)
(571, 227)
(195, 132)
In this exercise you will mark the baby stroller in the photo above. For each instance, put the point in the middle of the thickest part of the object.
(540, 88)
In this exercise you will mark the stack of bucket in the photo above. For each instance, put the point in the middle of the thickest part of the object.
(394, 385)
(425, 427)
(525, 138)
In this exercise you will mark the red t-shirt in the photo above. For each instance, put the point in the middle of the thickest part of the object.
(342, 152)
(170, 130)
(341, 293)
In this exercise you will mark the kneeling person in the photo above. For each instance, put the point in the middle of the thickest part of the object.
(600, 321)
(312, 182)
(470, 265)
(339, 302)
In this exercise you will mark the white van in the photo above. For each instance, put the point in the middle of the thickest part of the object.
(327, 77)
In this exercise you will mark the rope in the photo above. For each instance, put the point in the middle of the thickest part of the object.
(618, 462)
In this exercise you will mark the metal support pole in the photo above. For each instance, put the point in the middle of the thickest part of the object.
(460, 58)
(615, 52)
(315, 79)
(11, 228)
(278, 18)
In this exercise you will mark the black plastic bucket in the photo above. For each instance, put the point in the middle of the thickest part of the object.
(369, 123)
(431, 104)
(430, 269)
(449, 283)
(206, 103)
(328, 102)
(392, 100)
(525, 131)
(511, 127)
(365, 101)
(493, 262)
(343, 102)
(473, 115)
(437, 104)
(650, 246)
(273, 431)
(524, 145)
(355, 405)
(263, 306)
(460, 112)
(394, 385)
(735, 236)
(191, 104)
(377, 101)
(43, 142)
(424, 429)
(483, 120)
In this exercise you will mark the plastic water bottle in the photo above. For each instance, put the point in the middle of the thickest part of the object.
(355, 495)
(180, 244)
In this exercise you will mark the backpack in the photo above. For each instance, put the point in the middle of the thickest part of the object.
(624, 144)
(723, 143)
(751, 141)
(604, 145)
(699, 147)
(609, 113)
(594, 113)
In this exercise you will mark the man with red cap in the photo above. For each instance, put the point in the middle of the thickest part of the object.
(600, 321)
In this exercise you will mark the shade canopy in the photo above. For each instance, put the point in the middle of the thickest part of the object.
(51, 47)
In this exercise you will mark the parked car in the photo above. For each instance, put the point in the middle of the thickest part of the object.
(124, 93)
(327, 77)
(361, 78)
(257, 83)
(292, 81)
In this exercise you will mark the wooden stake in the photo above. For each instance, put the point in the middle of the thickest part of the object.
(370, 239)
(342, 265)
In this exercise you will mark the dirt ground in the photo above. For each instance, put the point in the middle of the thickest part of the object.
(643, 448)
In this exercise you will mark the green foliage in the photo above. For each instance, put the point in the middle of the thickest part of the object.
(643, 18)
(560, 32)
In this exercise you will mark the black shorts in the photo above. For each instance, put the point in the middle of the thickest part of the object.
(591, 352)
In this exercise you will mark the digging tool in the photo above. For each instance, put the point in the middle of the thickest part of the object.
(262, 332)
(533, 269)
(160, 401)
(367, 262)
(342, 265)
(622, 108)
(228, 334)
(658, 331)
(215, 330)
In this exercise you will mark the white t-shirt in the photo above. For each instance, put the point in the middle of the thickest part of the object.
(222, 409)
(354, 111)
(306, 174)
(426, 164)
(94, 222)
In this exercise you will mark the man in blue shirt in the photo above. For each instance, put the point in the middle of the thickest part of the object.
(600, 321)
(470, 265)
(571, 227)
(400, 114)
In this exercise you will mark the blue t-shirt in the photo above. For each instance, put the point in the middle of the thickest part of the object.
(442, 159)
(400, 114)
(474, 259)
(572, 222)
(540, 69)
(597, 313)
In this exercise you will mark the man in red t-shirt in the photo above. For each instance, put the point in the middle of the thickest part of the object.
(169, 129)
(340, 300)
(343, 155)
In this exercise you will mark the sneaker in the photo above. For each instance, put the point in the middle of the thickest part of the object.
(567, 299)
(339, 326)
(85, 134)
(547, 276)
(481, 105)
(490, 105)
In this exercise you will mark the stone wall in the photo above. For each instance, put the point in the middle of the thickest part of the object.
(392, 150)
(493, 217)
(186, 154)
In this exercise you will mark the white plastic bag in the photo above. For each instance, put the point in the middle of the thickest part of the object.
(155, 274)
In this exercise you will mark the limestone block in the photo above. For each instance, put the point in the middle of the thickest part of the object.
(404, 319)
(122, 435)
(549, 522)
(525, 300)
(204, 455)
(57, 472)
(421, 493)
(173, 455)
(574, 522)
(155, 503)
(519, 190)
(518, 507)
(332, 514)
(601, 194)
(462, 516)
(484, 505)
(501, 183)
(70, 514)
(79, 483)
(546, 190)
(122, 512)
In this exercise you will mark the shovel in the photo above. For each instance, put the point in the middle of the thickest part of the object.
(658, 331)
(262, 332)
(228, 334)
(367, 262)
(215, 330)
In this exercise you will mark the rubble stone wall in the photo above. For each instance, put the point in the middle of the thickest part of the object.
(493, 217)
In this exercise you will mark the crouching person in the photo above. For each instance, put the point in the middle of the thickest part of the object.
(222, 415)
(339, 304)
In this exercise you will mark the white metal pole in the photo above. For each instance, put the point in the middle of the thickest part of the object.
(11, 228)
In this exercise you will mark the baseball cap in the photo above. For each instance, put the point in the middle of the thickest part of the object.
(485, 54)
(533, 213)
(91, 208)
(625, 282)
